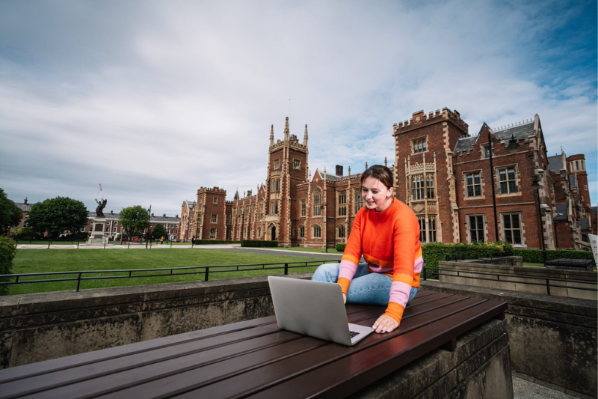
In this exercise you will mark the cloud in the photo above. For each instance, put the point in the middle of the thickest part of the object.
(155, 99)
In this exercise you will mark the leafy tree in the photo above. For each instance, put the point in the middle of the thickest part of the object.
(8, 250)
(25, 233)
(134, 220)
(159, 231)
(10, 214)
(57, 216)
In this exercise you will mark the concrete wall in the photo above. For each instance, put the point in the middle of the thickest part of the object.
(552, 339)
(38, 327)
(536, 275)
(478, 368)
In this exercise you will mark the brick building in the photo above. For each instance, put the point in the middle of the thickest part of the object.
(440, 171)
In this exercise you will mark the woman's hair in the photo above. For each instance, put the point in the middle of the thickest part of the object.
(379, 172)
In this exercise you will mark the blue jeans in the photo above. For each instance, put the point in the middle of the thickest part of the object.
(366, 288)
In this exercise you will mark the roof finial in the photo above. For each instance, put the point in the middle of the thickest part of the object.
(271, 135)
(305, 137)
(386, 162)
(286, 129)
(366, 164)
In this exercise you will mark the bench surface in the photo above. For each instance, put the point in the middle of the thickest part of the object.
(254, 358)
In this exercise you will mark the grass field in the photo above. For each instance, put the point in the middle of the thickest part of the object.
(34, 261)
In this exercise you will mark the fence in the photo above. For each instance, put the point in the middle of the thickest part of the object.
(435, 274)
(173, 271)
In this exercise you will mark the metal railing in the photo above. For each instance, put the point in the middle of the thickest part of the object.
(79, 276)
(504, 278)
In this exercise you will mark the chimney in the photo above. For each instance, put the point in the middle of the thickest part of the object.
(152, 215)
(177, 216)
(249, 193)
(111, 212)
(25, 202)
(339, 170)
(163, 215)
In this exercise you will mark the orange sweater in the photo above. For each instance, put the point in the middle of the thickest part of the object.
(389, 243)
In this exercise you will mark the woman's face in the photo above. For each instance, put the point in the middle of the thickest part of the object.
(375, 194)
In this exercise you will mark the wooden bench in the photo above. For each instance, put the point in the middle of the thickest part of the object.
(254, 358)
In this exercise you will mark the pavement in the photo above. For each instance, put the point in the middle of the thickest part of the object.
(525, 387)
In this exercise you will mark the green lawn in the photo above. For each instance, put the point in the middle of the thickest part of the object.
(36, 260)
(301, 249)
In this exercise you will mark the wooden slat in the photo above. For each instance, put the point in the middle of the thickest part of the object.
(351, 373)
(274, 373)
(20, 372)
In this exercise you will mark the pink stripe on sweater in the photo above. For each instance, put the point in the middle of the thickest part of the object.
(419, 263)
(347, 270)
(399, 293)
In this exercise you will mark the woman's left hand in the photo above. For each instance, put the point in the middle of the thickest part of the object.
(385, 324)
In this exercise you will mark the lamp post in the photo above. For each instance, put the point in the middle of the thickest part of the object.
(536, 184)
(149, 227)
(323, 208)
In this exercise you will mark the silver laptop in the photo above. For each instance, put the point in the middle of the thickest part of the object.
(315, 309)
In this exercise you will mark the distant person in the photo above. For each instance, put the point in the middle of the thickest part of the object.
(193, 241)
(386, 233)
(161, 240)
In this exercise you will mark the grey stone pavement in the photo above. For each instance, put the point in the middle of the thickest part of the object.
(524, 387)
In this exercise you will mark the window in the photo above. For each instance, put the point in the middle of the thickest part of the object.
(214, 218)
(486, 151)
(473, 183)
(274, 208)
(512, 228)
(317, 203)
(417, 185)
(261, 206)
(422, 228)
(476, 228)
(303, 208)
(317, 231)
(358, 201)
(419, 145)
(275, 185)
(276, 164)
(296, 164)
(259, 233)
(301, 232)
(213, 234)
(427, 229)
(228, 218)
(508, 184)
(432, 228)
(342, 204)
(430, 186)
(215, 200)
(341, 231)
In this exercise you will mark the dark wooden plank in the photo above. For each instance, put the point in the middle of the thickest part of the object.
(301, 363)
(351, 373)
(122, 363)
(20, 372)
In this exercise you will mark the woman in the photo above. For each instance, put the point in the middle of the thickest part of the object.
(387, 232)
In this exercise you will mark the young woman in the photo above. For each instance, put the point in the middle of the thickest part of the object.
(386, 232)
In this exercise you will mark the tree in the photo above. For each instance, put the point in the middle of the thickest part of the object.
(57, 216)
(8, 250)
(10, 214)
(134, 220)
(159, 231)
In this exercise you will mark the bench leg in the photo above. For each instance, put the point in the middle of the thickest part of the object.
(451, 345)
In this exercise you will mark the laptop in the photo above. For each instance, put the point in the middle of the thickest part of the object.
(314, 308)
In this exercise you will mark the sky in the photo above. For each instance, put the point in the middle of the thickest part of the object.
(155, 99)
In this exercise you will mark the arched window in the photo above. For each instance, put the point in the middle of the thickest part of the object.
(301, 232)
(317, 202)
(341, 231)
(358, 203)
(317, 231)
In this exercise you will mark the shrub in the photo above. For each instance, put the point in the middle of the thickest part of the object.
(341, 247)
(204, 242)
(257, 244)
(536, 256)
(8, 250)
(436, 252)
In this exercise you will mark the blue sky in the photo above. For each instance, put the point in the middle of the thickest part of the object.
(155, 99)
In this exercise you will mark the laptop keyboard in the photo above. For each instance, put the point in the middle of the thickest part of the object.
(353, 333)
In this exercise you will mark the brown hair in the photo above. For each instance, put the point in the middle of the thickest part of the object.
(379, 172)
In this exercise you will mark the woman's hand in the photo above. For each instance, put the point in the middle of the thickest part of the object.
(344, 298)
(385, 324)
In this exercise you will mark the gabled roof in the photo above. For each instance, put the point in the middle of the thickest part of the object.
(521, 132)
(25, 207)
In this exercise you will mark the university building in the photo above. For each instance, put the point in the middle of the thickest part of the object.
(499, 184)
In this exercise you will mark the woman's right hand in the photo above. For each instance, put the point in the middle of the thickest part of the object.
(344, 298)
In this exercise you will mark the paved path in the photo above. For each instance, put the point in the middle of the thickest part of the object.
(523, 388)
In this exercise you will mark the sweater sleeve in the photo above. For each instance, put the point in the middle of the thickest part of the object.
(352, 254)
(406, 240)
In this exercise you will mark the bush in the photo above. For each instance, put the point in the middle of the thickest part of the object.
(340, 247)
(536, 256)
(8, 250)
(204, 242)
(257, 244)
(25, 234)
(436, 252)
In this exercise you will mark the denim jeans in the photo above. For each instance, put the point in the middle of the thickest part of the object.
(366, 288)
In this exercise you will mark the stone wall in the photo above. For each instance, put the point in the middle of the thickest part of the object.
(552, 339)
(38, 327)
(537, 278)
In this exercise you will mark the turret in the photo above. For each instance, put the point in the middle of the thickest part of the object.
(271, 135)
(305, 137)
(286, 129)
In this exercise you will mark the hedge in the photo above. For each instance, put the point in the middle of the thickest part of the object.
(536, 255)
(340, 247)
(257, 244)
(8, 250)
(203, 242)
(436, 252)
